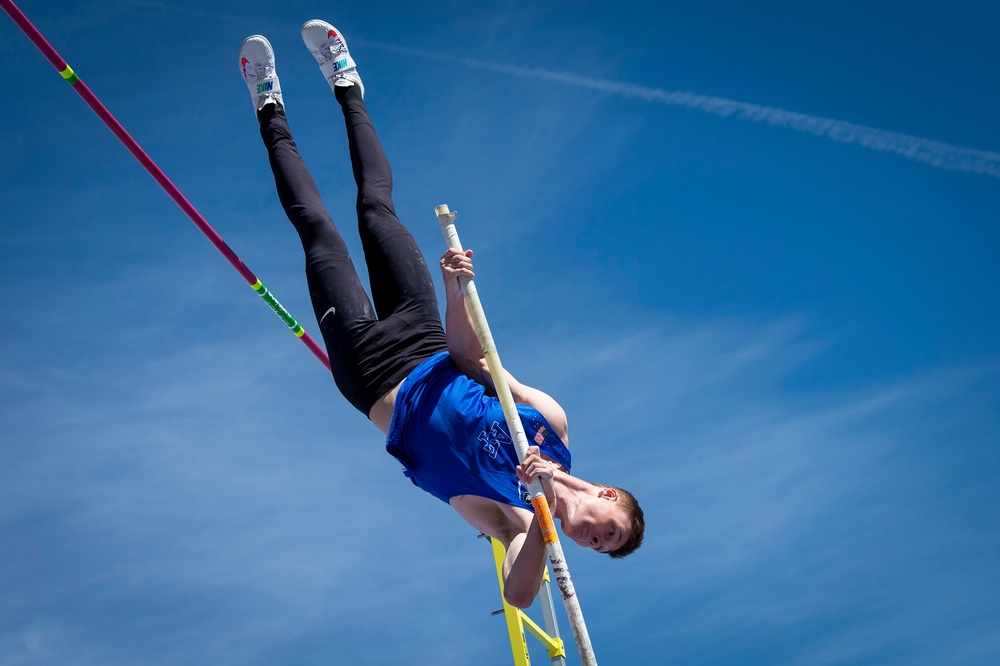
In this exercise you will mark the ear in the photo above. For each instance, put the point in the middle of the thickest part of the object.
(608, 494)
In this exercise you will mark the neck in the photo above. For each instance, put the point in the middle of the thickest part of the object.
(570, 491)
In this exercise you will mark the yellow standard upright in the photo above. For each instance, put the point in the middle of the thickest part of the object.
(518, 621)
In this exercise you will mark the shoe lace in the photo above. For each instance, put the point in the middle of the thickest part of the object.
(259, 70)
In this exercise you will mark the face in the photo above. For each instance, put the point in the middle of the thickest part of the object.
(600, 524)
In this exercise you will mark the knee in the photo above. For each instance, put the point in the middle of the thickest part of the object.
(377, 198)
(307, 214)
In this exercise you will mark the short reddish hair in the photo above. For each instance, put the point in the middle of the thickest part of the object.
(637, 523)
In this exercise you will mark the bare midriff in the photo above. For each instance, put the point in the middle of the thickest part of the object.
(381, 412)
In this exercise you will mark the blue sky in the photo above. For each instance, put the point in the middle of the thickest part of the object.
(784, 341)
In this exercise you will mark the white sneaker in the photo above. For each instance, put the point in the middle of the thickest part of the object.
(257, 66)
(329, 48)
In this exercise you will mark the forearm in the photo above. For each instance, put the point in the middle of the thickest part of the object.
(524, 567)
(463, 343)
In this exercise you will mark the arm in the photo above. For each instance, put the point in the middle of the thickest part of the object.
(463, 344)
(524, 564)
(518, 530)
(467, 352)
(523, 567)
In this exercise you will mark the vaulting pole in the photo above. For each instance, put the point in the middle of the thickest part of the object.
(95, 104)
(556, 557)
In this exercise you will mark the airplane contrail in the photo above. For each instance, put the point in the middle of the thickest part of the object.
(930, 152)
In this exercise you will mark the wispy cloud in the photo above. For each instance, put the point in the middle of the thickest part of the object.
(927, 151)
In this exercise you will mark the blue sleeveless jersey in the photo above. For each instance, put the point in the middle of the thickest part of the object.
(452, 437)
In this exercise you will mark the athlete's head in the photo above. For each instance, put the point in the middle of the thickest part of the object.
(609, 521)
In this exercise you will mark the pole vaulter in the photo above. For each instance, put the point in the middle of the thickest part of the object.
(161, 178)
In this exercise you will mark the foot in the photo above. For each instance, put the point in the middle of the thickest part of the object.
(329, 48)
(257, 66)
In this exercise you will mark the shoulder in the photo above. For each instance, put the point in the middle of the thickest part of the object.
(546, 406)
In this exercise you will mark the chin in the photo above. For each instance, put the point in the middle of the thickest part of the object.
(569, 532)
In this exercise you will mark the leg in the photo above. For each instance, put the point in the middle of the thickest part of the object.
(401, 283)
(400, 279)
(339, 301)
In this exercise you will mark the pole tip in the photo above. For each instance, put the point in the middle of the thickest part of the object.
(442, 209)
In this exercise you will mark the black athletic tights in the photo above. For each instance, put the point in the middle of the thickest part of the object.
(370, 351)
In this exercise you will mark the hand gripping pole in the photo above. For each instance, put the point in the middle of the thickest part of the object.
(558, 560)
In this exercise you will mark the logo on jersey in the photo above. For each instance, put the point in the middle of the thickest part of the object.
(524, 494)
(494, 439)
